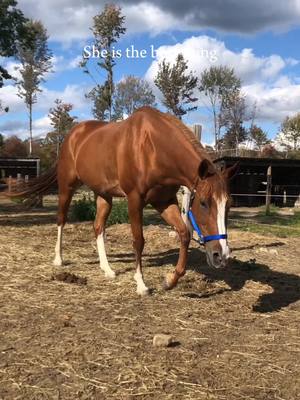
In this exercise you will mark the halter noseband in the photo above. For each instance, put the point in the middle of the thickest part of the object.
(202, 239)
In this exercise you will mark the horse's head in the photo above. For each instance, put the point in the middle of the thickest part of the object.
(210, 204)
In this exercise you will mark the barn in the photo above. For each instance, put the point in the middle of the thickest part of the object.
(18, 167)
(248, 187)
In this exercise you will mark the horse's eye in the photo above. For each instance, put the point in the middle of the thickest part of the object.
(203, 204)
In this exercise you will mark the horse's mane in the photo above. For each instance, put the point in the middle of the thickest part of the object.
(186, 132)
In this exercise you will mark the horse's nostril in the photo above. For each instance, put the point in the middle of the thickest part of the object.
(217, 257)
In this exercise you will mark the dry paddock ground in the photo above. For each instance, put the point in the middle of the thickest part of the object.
(237, 330)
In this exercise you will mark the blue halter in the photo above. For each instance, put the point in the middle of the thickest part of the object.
(196, 227)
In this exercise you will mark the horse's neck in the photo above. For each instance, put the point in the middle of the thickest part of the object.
(184, 169)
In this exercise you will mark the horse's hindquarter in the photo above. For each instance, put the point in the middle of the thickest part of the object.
(96, 160)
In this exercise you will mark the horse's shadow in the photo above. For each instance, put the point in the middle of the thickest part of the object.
(286, 286)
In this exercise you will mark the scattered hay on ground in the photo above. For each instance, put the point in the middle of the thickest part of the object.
(238, 328)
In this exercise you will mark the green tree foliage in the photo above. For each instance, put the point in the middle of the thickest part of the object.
(132, 93)
(233, 114)
(233, 137)
(290, 132)
(61, 121)
(100, 96)
(107, 28)
(217, 83)
(12, 32)
(177, 86)
(258, 137)
(35, 58)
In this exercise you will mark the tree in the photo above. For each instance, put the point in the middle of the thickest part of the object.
(233, 114)
(132, 93)
(233, 137)
(177, 86)
(269, 151)
(100, 96)
(290, 133)
(1, 143)
(14, 147)
(62, 122)
(258, 137)
(35, 58)
(217, 83)
(12, 32)
(107, 29)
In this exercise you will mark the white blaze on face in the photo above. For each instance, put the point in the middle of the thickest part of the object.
(221, 208)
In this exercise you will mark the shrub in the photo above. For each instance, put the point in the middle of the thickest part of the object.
(119, 213)
(85, 210)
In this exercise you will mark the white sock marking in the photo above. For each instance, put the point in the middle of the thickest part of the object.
(109, 273)
(221, 226)
(58, 248)
(141, 287)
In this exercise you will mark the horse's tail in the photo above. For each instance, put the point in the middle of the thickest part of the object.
(46, 183)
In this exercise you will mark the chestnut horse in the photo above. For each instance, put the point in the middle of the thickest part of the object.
(144, 158)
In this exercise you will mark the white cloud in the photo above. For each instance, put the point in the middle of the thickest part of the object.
(14, 123)
(70, 20)
(274, 103)
(263, 78)
(74, 94)
(204, 51)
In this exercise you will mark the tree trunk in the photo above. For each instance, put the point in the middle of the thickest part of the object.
(216, 130)
(30, 128)
(110, 82)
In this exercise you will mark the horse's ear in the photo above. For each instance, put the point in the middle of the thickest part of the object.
(206, 169)
(230, 172)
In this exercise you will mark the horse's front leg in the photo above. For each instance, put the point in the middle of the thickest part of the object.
(171, 214)
(135, 211)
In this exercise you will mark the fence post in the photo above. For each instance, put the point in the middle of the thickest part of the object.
(38, 171)
(197, 131)
(9, 183)
(269, 190)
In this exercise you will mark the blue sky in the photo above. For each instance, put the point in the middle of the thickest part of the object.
(261, 46)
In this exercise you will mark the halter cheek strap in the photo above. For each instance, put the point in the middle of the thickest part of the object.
(196, 227)
(203, 239)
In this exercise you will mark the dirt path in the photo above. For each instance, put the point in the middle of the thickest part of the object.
(238, 329)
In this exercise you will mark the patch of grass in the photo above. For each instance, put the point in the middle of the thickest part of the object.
(275, 224)
(85, 210)
(17, 200)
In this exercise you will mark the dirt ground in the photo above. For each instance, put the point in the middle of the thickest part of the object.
(236, 331)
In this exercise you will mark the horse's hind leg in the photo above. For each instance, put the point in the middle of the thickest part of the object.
(135, 211)
(104, 206)
(64, 200)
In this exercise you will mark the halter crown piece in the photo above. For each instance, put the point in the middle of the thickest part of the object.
(202, 239)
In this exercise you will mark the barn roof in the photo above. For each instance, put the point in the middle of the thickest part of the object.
(274, 162)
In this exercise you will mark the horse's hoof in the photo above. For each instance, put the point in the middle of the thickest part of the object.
(166, 285)
(143, 292)
(57, 262)
(168, 282)
(110, 275)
